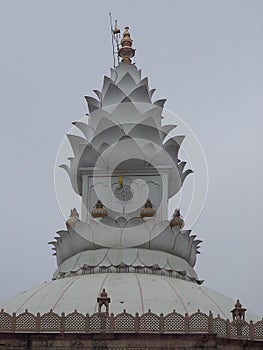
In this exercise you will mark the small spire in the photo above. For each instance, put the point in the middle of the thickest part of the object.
(73, 218)
(126, 52)
(103, 300)
(99, 211)
(176, 219)
(238, 312)
(147, 210)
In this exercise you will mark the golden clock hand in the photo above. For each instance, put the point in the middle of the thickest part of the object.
(120, 180)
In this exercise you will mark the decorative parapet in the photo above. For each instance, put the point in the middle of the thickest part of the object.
(124, 322)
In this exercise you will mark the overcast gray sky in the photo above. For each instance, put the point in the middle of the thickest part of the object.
(204, 56)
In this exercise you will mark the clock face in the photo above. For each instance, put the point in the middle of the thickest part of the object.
(123, 193)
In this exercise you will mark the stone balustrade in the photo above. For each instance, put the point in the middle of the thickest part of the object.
(124, 322)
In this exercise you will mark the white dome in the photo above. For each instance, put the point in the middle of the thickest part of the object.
(129, 291)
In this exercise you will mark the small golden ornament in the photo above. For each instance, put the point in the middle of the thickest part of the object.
(73, 218)
(99, 211)
(148, 210)
(176, 219)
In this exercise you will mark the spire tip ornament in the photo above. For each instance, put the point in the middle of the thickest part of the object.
(126, 52)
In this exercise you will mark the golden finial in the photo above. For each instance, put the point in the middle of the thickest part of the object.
(126, 52)
(176, 219)
(147, 210)
(99, 210)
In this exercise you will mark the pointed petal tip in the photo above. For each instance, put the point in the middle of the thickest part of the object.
(151, 92)
(160, 102)
(65, 167)
(98, 93)
(93, 104)
(200, 281)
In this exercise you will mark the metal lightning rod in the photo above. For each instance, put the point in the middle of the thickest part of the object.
(115, 32)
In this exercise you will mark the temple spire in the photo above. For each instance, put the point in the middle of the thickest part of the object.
(126, 52)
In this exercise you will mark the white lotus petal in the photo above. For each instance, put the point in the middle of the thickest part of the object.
(93, 104)
(127, 84)
(113, 95)
(141, 94)
(75, 142)
(98, 93)
(86, 129)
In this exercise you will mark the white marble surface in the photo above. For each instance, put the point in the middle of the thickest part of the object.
(133, 292)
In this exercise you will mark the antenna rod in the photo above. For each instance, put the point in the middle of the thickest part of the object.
(116, 33)
(115, 36)
(112, 40)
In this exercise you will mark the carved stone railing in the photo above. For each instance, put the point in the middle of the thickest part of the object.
(124, 322)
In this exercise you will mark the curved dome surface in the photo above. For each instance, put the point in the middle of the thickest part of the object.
(130, 291)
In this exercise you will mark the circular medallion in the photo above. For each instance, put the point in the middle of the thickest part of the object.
(123, 193)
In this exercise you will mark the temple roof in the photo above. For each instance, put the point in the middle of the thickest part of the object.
(125, 168)
(132, 292)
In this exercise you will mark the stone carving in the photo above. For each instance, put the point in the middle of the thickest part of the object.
(177, 219)
(148, 210)
(123, 193)
(238, 312)
(103, 300)
(73, 218)
(172, 322)
(99, 211)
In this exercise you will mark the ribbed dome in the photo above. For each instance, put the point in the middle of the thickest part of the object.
(129, 291)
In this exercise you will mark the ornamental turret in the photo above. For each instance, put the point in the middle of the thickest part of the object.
(126, 168)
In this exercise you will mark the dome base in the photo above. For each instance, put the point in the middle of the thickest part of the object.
(130, 291)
